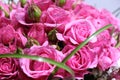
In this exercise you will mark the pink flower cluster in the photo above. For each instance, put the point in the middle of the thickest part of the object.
(51, 29)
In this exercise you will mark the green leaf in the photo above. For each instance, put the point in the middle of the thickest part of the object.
(78, 48)
(40, 59)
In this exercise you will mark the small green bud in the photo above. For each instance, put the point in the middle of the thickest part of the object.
(34, 13)
(52, 36)
(23, 2)
(117, 37)
(19, 51)
(0, 8)
(31, 42)
(60, 45)
(61, 2)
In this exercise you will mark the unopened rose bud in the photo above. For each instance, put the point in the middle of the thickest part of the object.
(19, 51)
(61, 2)
(23, 2)
(34, 13)
(52, 36)
(31, 42)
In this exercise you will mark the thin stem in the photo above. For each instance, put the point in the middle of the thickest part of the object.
(40, 59)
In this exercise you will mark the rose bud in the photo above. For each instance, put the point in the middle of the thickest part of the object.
(60, 2)
(33, 14)
(31, 42)
(52, 36)
(23, 2)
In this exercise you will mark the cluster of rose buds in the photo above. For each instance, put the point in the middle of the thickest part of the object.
(52, 29)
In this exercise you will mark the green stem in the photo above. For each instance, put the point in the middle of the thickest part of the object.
(78, 48)
(41, 59)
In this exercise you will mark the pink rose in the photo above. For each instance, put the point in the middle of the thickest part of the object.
(8, 68)
(103, 39)
(104, 18)
(7, 34)
(9, 37)
(40, 70)
(110, 18)
(55, 15)
(37, 32)
(77, 31)
(84, 10)
(107, 57)
(85, 58)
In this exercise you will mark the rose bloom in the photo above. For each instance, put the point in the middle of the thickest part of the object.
(103, 39)
(104, 47)
(99, 18)
(76, 32)
(11, 38)
(108, 57)
(105, 18)
(55, 17)
(40, 70)
(85, 58)
(9, 35)
(7, 39)
(8, 66)
(84, 11)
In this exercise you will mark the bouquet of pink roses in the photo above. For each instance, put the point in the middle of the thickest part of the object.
(58, 40)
